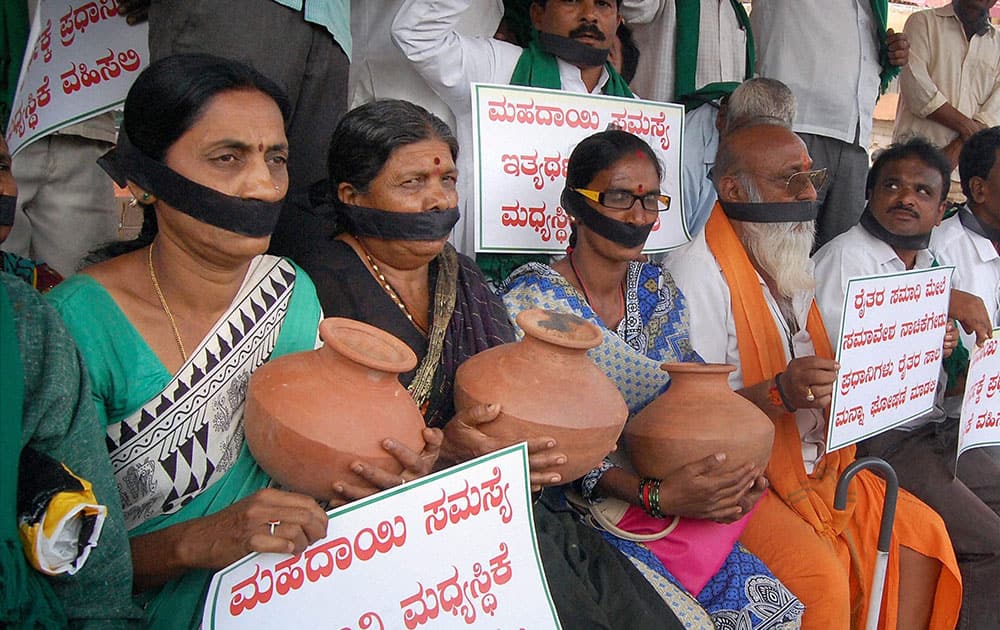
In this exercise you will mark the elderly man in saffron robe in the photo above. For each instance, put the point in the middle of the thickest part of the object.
(749, 283)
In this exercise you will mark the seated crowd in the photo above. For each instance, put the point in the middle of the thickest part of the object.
(129, 378)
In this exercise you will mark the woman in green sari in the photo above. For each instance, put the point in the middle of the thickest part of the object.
(172, 329)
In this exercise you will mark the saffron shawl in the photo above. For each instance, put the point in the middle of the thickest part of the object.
(851, 533)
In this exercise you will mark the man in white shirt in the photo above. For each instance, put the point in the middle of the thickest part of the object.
(835, 56)
(749, 285)
(688, 46)
(907, 188)
(951, 87)
(970, 239)
(576, 35)
(907, 191)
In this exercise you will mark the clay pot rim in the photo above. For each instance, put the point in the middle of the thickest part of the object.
(692, 367)
(585, 336)
(331, 327)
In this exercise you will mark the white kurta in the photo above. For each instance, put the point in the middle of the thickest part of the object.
(721, 45)
(977, 266)
(827, 53)
(378, 68)
(945, 67)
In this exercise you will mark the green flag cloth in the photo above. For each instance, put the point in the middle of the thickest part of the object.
(889, 72)
(538, 68)
(686, 56)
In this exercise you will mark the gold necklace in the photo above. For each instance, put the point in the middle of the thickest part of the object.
(163, 304)
(391, 292)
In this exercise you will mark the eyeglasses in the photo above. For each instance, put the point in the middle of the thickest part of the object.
(797, 182)
(624, 200)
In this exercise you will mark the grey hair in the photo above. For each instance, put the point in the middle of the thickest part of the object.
(760, 98)
(749, 185)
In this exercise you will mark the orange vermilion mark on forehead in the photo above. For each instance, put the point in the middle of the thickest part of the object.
(805, 159)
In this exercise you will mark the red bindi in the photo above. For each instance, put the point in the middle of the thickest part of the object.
(640, 189)
(260, 147)
(437, 160)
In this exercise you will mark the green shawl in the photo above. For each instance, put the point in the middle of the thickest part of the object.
(25, 598)
(538, 68)
(881, 10)
(686, 55)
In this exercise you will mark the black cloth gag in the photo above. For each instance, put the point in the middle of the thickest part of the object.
(625, 234)
(250, 217)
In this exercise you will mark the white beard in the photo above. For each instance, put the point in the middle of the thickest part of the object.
(782, 251)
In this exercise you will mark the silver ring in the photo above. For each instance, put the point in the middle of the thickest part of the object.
(271, 525)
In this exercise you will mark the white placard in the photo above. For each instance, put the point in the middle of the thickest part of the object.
(522, 140)
(980, 422)
(890, 352)
(80, 61)
(451, 550)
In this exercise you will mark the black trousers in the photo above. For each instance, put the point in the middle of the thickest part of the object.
(592, 584)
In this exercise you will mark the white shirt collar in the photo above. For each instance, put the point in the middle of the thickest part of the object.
(885, 254)
(569, 75)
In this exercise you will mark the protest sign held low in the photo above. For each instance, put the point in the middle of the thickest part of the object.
(890, 352)
(980, 421)
(522, 140)
(454, 549)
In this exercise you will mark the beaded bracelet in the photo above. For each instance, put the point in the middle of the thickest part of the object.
(654, 500)
(644, 492)
(781, 393)
(649, 496)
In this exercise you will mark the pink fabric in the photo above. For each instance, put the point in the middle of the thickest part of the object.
(694, 551)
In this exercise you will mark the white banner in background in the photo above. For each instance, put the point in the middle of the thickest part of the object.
(81, 60)
(522, 140)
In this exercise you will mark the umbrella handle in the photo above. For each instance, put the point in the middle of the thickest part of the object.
(888, 504)
(885, 527)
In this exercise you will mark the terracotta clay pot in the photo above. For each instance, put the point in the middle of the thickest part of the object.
(310, 415)
(699, 415)
(546, 385)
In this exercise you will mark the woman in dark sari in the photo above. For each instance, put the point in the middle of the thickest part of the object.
(392, 173)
